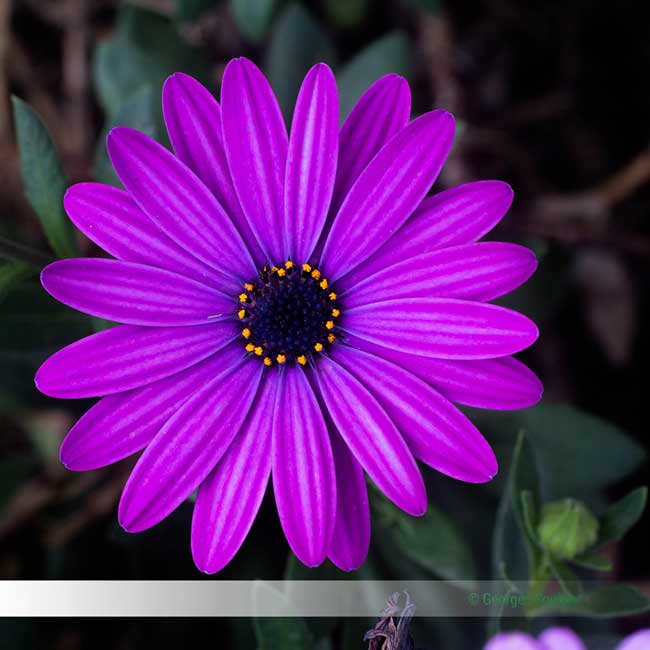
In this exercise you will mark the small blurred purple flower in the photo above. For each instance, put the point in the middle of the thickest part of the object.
(291, 306)
(560, 638)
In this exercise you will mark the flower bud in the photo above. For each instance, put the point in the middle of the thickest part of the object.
(567, 528)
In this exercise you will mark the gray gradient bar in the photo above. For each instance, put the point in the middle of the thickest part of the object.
(219, 598)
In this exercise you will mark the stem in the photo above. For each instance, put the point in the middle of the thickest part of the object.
(12, 250)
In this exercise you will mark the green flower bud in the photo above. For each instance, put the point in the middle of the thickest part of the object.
(567, 528)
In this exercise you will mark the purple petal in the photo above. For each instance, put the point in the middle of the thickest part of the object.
(311, 161)
(503, 383)
(351, 538)
(178, 202)
(193, 119)
(122, 424)
(560, 638)
(481, 272)
(304, 479)
(109, 217)
(435, 431)
(372, 437)
(387, 192)
(461, 215)
(131, 293)
(383, 110)
(512, 641)
(442, 328)
(190, 444)
(255, 138)
(638, 641)
(228, 500)
(127, 357)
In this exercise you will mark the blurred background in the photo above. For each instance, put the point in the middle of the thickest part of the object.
(551, 96)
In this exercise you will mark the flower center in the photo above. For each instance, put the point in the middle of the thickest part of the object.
(288, 314)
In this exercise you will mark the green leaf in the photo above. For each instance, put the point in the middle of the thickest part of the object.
(144, 50)
(298, 43)
(621, 516)
(611, 601)
(391, 53)
(11, 273)
(346, 14)
(565, 577)
(594, 561)
(529, 514)
(192, 9)
(137, 112)
(510, 526)
(283, 634)
(254, 17)
(432, 542)
(43, 178)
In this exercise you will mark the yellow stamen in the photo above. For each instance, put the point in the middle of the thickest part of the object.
(336, 313)
(281, 272)
(249, 347)
(241, 313)
(302, 359)
(318, 347)
(280, 358)
(243, 297)
(331, 338)
(323, 284)
(246, 333)
(306, 267)
(315, 274)
(288, 264)
(330, 324)
(258, 351)
(267, 361)
(332, 296)
(274, 269)
(248, 286)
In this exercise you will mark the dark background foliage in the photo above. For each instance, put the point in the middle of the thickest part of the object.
(553, 97)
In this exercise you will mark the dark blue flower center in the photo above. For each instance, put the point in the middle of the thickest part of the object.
(288, 314)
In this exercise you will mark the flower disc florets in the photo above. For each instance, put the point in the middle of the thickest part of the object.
(288, 313)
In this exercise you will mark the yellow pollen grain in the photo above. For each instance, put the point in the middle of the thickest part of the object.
(332, 296)
(302, 359)
(267, 361)
(274, 269)
(250, 347)
(318, 347)
(241, 313)
(248, 286)
(243, 297)
(331, 338)
(306, 267)
(330, 324)
(281, 272)
(315, 274)
(246, 332)
(323, 285)
(336, 313)
(288, 264)
(258, 351)
(280, 358)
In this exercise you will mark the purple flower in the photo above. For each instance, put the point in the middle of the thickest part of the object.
(560, 638)
(292, 306)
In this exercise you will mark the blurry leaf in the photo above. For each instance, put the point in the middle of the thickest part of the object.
(566, 578)
(137, 113)
(432, 542)
(11, 273)
(144, 50)
(283, 634)
(346, 14)
(529, 514)
(297, 44)
(14, 472)
(43, 178)
(620, 517)
(606, 602)
(594, 561)
(510, 524)
(191, 9)
(391, 53)
(253, 17)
